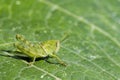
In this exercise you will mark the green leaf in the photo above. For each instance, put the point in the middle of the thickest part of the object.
(92, 50)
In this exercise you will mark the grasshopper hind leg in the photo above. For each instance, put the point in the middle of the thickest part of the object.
(32, 62)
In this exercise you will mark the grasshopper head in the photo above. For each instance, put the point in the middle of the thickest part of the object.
(51, 46)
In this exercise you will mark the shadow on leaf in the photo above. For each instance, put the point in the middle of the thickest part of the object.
(20, 56)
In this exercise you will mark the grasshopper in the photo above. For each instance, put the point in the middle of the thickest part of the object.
(47, 48)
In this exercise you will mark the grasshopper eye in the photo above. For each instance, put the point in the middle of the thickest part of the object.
(57, 46)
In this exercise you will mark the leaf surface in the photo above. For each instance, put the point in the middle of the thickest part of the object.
(92, 50)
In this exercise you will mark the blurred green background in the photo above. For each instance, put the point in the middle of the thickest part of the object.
(92, 50)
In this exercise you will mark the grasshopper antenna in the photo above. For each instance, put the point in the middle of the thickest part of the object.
(66, 35)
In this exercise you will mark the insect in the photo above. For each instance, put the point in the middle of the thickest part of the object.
(38, 50)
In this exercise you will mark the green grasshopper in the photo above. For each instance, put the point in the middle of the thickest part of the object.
(40, 50)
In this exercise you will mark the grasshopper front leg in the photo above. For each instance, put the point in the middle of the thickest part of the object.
(59, 60)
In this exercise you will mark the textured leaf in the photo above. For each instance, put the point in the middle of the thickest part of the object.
(92, 50)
